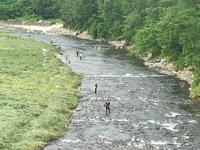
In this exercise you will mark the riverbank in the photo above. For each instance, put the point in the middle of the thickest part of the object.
(45, 28)
(37, 95)
(166, 67)
(54, 29)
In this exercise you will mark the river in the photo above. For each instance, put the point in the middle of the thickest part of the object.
(149, 110)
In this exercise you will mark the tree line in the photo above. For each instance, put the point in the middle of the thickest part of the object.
(30, 10)
(166, 28)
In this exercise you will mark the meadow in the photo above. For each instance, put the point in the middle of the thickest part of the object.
(37, 93)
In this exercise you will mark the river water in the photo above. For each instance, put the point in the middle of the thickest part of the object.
(146, 107)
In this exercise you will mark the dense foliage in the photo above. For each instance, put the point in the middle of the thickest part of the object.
(166, 28)
(31, 9)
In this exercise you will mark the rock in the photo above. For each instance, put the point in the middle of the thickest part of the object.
(40, 21)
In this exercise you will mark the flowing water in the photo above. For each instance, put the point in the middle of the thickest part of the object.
(148, 110)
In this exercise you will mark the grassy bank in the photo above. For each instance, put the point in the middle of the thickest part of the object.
(37, 93)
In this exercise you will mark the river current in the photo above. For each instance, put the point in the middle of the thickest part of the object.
(146, 106)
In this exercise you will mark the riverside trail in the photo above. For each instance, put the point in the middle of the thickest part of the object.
(145, 106)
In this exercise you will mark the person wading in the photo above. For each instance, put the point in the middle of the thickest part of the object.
(95, 88)
(107, 105)
(77, 53)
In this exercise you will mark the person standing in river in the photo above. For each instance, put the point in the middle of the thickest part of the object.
(77, 53)
(107, 105)
(95, 88)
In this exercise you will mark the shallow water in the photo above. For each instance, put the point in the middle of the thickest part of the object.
(146, 107)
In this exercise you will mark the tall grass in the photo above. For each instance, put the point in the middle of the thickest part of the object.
(37, 92)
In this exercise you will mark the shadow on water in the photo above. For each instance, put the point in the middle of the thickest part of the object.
(193, 108)
(122, 54)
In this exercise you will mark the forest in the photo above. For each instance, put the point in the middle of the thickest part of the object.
(166, 28)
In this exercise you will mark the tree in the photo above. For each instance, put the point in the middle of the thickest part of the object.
(48, 9)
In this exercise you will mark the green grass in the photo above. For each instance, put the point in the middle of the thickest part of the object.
(196, 87)
(37, 92)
